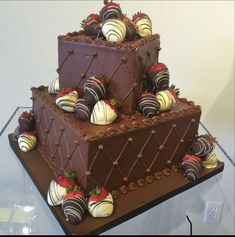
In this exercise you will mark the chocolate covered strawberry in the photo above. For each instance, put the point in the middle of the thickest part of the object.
(66, 99)
(211, 161)
(54, 86)
(191, 166)
(110, 10)
(94, 89)
(26, 121)
(82, 110)
(91, 25)
(148, 105)
(74, 206)
(100, 203)
(114, 30)
(60, 187)
(130, 29)
(143, 24)
(167, 98)
(158, 75)
(202, 145)
(104, 112)
(27, 141)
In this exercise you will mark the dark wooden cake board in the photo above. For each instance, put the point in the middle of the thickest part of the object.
(126, 206)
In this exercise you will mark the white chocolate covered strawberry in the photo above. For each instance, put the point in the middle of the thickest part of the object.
(66, 99)
(27, 141)
(54, 86)
(167, 98)
(143, 24)
(60, 187)
(114, 30)
(104, 112)
(100, 203)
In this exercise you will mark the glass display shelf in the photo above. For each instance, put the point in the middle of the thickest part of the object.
(23, 209)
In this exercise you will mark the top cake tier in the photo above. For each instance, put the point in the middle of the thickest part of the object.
(122, 64)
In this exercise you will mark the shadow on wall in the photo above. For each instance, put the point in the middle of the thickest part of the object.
(220, 118)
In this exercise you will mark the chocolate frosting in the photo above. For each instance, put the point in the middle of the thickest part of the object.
(123, 64)
(143, 146)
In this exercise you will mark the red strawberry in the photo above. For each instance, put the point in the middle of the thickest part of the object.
(73, 194)
(74, 206)
(110, 10)
(138, 16)
(191, 157)
(65, 92)
(60, 187)
(100, 203)
(94, 17)
(98, 194)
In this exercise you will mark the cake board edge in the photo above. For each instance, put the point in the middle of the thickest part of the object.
(96, 226)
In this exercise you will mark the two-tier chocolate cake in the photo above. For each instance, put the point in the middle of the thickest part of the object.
(111, 118)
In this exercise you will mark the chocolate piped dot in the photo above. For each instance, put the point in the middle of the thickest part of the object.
(125, 179)
(70, 51)
(124, 59)
(82, 75)
(161, 147)
(101, 147)
(115, 163)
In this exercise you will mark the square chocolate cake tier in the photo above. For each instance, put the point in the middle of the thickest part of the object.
(123, 64)
(132, 148)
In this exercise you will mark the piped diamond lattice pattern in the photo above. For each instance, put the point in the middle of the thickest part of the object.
(116, 160)
(123, 69)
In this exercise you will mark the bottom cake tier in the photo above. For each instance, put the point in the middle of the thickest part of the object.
(132, 150)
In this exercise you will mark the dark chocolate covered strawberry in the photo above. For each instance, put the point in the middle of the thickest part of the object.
(111, 10)
(104, 112)
(202, 145)
(60, 187)
(74, 206)
(191, 166)
(148, 105)
(158, 75)
(130, 29)
(82, 110)
(100, 203)
(91, 25)
(26, 121)
(143, 24)
(94, 89)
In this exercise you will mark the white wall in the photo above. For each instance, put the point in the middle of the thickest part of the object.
(197, 41)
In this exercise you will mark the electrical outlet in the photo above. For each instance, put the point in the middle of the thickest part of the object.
(213, 212)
